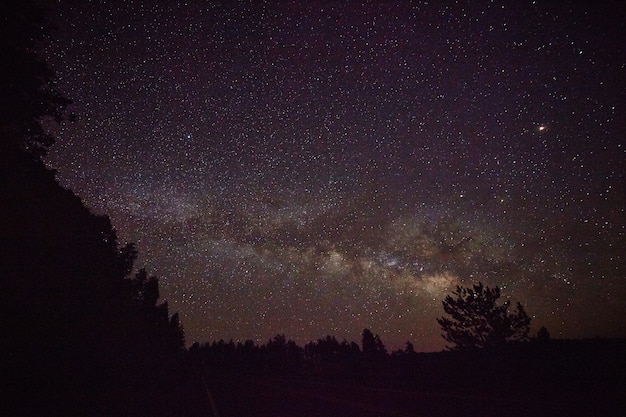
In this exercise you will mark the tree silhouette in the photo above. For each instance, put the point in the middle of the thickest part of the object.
(477, 321)
(282, 354)
(543, 336)
(27, 85)
(373, 347)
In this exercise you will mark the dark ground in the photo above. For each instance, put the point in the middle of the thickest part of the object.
(243, 397)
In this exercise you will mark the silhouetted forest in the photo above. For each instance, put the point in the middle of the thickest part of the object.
(81, 335)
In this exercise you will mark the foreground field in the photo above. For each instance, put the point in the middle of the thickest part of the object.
(243, 397)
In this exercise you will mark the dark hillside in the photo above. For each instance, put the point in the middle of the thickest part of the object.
(79, 335)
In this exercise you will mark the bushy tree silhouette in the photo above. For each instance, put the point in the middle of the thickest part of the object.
(477, 321)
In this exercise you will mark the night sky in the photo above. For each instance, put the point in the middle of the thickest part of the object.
(314, 168)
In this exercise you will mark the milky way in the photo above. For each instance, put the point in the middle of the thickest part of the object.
(315, 168)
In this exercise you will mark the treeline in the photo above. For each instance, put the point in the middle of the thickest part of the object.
(80, 335)
(327, 354)
(579, 377)
(280, 355)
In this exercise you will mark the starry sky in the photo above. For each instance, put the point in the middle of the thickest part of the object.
(314, 168)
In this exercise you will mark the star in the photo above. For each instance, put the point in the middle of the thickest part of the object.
(302, 170)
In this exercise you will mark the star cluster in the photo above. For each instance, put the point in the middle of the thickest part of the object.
(316, 168)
